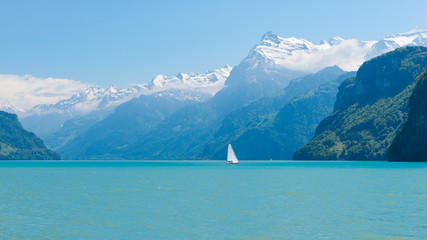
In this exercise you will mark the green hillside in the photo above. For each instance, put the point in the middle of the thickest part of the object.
(18, 144)
(370, 109)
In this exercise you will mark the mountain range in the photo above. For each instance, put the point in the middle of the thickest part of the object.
(283, 82)
(194, 131)
(46, 119)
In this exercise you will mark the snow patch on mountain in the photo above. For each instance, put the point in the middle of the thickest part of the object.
(7, 106)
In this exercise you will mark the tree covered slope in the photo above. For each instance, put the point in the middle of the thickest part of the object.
(411, 143)
(370, 109)
(18, 144)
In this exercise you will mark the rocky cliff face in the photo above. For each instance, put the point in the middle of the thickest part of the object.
(370, 109)
(382, 78)
(411, 143)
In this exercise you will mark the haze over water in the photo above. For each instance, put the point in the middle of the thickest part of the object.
(211, 200)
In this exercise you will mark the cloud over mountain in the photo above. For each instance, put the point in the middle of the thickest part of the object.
(348, 54)
(21, 93)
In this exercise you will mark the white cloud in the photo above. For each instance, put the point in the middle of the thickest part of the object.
(348, 55)
(25, 92)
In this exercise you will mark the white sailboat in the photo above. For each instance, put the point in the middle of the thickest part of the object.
(231, 156)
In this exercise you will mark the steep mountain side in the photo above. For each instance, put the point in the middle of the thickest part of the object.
(73, 128)
(293, 126)
(411, 143)
(369, 110)
(179, 137)
(385, 77)
(246, 85)
(124, 126)
(18, 144)
(263, 111)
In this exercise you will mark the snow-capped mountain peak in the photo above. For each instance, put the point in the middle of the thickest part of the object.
(157, 81)
(183, 76)
(269, 36)
(411, 33)
(406, 38)
(275, 52)
(415, 37)
(209, 82)
(7, 106)
(112, 90)
(271, 41)
(335, 41)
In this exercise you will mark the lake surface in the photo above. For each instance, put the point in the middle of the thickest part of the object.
(211, 200)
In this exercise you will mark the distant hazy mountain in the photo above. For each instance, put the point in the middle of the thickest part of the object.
(130, 121)
(46, 119)
(18, 144)
(410, 145)
(262, 113)
(370, 109)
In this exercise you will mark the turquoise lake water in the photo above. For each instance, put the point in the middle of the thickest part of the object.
(211, 200)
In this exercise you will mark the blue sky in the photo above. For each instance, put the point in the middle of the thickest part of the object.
(120, 42)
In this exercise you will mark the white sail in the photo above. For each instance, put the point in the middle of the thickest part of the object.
(231, 156)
